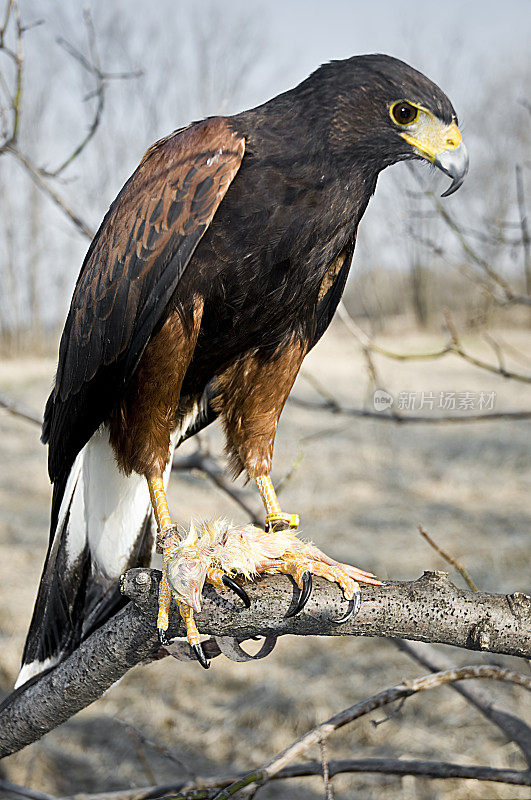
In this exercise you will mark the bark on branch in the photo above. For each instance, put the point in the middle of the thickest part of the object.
(429, 609)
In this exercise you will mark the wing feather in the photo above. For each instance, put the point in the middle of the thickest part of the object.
(130, 273)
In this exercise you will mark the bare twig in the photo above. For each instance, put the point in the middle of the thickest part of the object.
(93, 67)
(204, 465)
(454, 346)
(450, 560)
(17, 57)
(348, 715)
(458, 348)
(329, 795)
(39, 175)
(19, 410)
(197, 788)
(515, 729)
(209, 466)
(23, 791)
(35, 174)
(508, 295)
(428, 609)
(526, 238)
(315, 383)
(286, 478)
(395, 417)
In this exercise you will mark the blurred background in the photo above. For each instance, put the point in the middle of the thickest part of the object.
(199, 59)
(444, 283)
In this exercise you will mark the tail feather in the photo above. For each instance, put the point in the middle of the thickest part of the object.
(100, 526)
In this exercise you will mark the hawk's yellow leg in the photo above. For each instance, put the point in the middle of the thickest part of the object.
(276, 519)
(159, 503)
(164, 524)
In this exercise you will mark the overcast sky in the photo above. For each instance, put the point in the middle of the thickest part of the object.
(460, 40)
(476, 50)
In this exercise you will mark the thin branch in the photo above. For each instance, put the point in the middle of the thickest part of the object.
(281, 484)
(203, 465)
(449, 560)
(453, 346)
(367, 343)
(395, 417)
(509, 295)
(17, 57)
(35, 174)
(428, 609)
(39, 175)
(206, 787)
(348, 715)
(514, 728)
(22, 791)
(458, 348)
(102, 77)
(209, 466)
(526, 238)
(20, 410)
(332, 403)
(325, 770)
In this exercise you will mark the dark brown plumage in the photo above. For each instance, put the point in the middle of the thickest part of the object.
(129, 277)
(217, 268)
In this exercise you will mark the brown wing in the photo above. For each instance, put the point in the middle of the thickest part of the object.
(131, 271)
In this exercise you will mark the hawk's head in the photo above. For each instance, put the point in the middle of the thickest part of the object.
(384, 111)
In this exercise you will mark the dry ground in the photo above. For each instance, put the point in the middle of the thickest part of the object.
(361, 489)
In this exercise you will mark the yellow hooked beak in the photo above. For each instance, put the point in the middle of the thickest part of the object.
(439, 143)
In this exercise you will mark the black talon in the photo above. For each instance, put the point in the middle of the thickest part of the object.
(354, 606)
(304, 595)
(163, 639)
(237, 589)
(200, 655)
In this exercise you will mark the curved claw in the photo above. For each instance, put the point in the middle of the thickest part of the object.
(200, 655)
(304, 595)
(163, 639)
(231, 647)
(237, 589)
(354, 606)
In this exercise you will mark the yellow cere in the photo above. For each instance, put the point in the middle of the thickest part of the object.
(429, 136)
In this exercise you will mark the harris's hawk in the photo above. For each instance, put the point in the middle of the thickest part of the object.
(214, 272)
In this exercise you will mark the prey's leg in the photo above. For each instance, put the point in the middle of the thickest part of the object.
(168, 541)
(192, 634)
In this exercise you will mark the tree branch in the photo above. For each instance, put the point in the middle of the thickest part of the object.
(209, 466)
(40, 176)
(381, 416)
(208, 785)
(515, 729)
(325, 729)
(428, 609)
(20, 410)
(454, 346)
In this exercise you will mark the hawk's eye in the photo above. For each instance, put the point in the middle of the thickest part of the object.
(404, 113)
